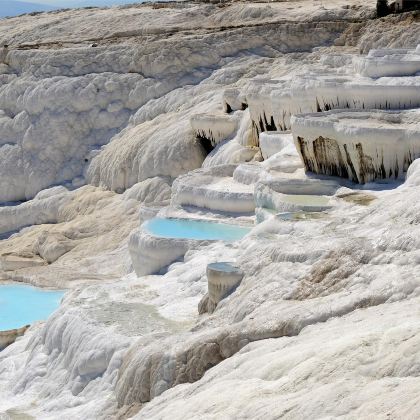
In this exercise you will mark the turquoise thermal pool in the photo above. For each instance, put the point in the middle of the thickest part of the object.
(21, 305)
(194, 229)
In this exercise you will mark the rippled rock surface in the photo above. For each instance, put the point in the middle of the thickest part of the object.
(111, 117)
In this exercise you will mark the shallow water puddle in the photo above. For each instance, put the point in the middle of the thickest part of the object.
(306, 200)
(301, 215)
(362, 199)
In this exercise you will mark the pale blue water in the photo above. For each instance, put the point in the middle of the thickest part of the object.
(194, 229)
(225, 266)
(21, 305)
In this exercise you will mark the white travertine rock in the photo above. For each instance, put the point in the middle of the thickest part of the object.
(262, 214)
(149, 211)
(362, 146)
(249, 173)
(150, 254)
(124, 346)
(78, 99)
(287, 162)
(44, 208)
(267, 198)
(71, 115)
(151, 190)
(215, 189)
(244, 134)
(413, 173)
(279, 370)
(213, 128)
(273, 102)
(233, 100)
(389, 62)
(284, 162)
(272, 142)
(293, 195)
(142, 152)
(222, 278)
(303, 186)
(230, 152)
(241, 148)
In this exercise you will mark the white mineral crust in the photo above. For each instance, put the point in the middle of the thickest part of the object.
(103, 113)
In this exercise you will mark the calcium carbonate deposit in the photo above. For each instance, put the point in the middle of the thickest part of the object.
(277, 141)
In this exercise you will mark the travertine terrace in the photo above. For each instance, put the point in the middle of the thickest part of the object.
(296, 120)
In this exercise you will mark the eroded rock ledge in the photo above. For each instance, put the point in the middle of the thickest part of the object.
(362, 146)
(9, 337)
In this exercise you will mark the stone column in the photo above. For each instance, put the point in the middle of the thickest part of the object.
(223, 278)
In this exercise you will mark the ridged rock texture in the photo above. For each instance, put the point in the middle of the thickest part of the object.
(110, 117)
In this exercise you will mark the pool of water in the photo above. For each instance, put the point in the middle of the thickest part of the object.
(226, 267)
(306, 200)
(21, 305)
(195, 229)
(300, 215)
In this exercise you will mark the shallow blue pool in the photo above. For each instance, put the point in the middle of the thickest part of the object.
(194, 229)
(21, 305)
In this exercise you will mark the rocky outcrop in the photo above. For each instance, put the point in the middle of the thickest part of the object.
(362, 146)
(9, 337)
(210, 130)
(389, 62)
(214, 189)
(223, 278)
(272, 142)
(273, 102)
(11, 262)
(44, 208)
(150, 254)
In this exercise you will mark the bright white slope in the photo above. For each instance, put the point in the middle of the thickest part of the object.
(325, 320)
